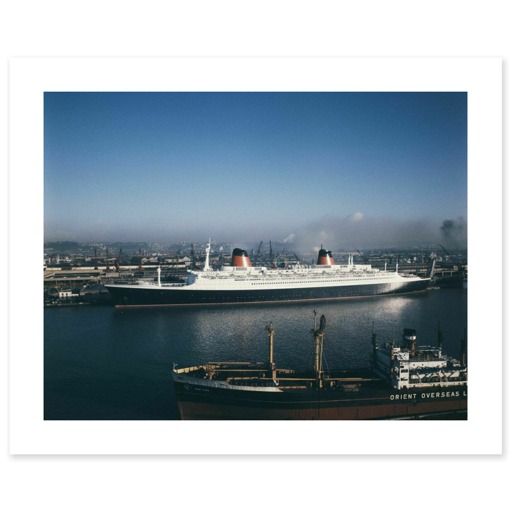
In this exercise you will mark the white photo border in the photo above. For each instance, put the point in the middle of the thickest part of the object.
(30, 78)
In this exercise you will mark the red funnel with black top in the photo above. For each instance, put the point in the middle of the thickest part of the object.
(325, 258)
(240, 258)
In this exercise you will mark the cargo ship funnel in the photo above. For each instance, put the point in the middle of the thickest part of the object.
(409, 338)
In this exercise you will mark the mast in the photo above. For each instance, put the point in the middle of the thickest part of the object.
(319, 348)
(464, 349)
(374, 347)
(270, 330)
(207, 260)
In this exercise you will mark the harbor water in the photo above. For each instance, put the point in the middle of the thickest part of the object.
(102, 363)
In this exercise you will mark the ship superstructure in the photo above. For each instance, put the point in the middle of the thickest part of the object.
(408, 366)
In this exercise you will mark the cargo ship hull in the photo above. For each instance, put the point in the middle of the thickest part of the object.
(196, 402)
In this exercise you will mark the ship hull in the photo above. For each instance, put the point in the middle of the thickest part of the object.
(134, 296)
(202, 403)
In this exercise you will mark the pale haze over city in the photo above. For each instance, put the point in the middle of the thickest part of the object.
(342, 169)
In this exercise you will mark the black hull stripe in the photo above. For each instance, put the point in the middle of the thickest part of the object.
(143, 297)
(246, 303)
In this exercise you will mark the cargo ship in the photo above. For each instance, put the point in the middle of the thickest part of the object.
(403, 381)
(241, 283)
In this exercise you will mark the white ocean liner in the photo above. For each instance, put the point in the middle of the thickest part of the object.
(240, 282)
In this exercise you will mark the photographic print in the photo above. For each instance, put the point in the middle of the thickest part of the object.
(256, 253)
(220, 215)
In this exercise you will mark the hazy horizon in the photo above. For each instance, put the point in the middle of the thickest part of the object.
(338, 169)
(353, 231)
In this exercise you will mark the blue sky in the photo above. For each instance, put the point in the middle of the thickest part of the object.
(338, 168)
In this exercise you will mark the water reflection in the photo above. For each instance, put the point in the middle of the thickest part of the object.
(102, 363)
(197, 335)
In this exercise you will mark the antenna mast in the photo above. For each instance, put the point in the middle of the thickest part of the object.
(207, 260)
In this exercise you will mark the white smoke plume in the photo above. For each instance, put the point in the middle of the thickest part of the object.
(357, 231)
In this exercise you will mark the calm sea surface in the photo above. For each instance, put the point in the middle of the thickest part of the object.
(103, 363)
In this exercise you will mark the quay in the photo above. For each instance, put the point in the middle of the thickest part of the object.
(86, 284)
